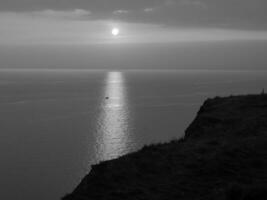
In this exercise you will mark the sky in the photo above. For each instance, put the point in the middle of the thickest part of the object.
(80, 26)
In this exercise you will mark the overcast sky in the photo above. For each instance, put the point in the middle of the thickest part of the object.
(89, 22)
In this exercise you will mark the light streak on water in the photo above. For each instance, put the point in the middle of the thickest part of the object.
(112, 134)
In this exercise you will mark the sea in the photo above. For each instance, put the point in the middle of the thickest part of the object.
(55, 124)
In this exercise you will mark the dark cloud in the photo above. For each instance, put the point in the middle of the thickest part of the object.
(247, 14)
(95, 5)
(244, 14)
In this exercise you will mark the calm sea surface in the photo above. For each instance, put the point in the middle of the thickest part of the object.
(55, 124)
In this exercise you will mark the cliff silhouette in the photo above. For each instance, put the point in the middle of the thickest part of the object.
(222, 156)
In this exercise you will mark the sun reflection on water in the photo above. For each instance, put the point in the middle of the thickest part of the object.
(112, 132)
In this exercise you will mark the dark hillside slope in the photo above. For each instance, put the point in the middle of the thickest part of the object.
(222, 156)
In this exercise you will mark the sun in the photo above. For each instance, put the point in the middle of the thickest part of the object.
(115, 31)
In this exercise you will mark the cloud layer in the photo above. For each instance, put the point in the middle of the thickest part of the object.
(243, 14)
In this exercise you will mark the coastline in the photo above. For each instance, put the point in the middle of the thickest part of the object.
(223, 155)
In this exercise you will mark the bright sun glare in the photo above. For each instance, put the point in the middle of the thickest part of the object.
(115, 31)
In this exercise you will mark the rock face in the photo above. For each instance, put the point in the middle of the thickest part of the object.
(222, 156)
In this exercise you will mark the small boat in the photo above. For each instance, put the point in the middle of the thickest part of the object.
(107, 97)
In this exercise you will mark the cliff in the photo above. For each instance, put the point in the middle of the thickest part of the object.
(222, 156)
